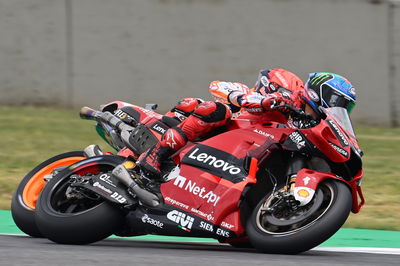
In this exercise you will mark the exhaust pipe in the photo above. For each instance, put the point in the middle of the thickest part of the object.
(144, 196)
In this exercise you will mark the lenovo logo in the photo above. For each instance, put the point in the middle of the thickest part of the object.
(158, 128)
(217, 162)
(214, 162)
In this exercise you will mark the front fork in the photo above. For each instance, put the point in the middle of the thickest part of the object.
(302, 194)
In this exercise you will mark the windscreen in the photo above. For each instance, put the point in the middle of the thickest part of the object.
(340, 115)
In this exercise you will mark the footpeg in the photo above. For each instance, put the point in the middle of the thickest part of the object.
(92, 150)
(144, 196)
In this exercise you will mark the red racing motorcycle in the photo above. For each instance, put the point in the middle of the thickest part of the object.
(256, 184)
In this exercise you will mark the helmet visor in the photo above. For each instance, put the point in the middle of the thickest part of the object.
(333, 98)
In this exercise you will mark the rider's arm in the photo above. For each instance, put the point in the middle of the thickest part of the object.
(227, 92)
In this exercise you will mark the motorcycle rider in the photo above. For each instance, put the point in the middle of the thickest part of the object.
(321, 89)
(329, 90)
(273, 87)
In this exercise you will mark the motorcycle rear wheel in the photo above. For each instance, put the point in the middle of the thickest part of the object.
(80, 220)
(23, 202)
(294, 232)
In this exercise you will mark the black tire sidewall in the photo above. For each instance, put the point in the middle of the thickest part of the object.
(23, 215)
(321, 230)
(85, 227)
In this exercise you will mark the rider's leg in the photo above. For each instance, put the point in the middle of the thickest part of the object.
(184, 108)
(205, 117)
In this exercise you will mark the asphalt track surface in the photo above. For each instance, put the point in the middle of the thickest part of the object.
(24, 250)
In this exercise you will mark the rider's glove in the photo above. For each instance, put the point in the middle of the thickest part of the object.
(251, 101)
(293, 100)
(256, 102)
(271, 101)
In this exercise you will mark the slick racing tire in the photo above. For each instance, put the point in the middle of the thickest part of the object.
(84, 218)
(291, 232)
(23, 202)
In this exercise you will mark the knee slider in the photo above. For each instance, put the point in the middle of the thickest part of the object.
(210, 112)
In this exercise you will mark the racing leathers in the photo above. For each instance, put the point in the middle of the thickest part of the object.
(203, 116)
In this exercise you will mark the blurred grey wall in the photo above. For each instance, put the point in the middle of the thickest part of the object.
(88, 52)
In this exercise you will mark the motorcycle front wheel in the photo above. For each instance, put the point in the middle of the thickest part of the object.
(84, 218)
(23, 202)
(274, 229)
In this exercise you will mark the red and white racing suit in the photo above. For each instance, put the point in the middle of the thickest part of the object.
(203, 116)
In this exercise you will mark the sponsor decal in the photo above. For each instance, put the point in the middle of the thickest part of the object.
(207, 216)
(170, 139)
(313, 95)
(255, 110)
(226, 225)
(303, 193)
(282, 79)
(339, 134)
(184, 221)
(216, 162)
(160, 129)
(148, 220)
(120, 114)
(339, 150)
(193, 188)
(101, 187)
(286, 95)
(263, 133)
(149, 113)
(180, 116)
(264, 80)
(222, 232)
(118, 197)
(306, 180)
(106, 179)
(176, 203)
(272, 86)
(352, 91)
(206, 226)
(297, 139)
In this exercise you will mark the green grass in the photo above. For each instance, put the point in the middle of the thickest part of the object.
(30, 135)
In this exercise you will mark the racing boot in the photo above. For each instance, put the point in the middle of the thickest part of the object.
(156, 162)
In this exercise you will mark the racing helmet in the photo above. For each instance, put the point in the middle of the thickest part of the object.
(277, 80)
(329, 90)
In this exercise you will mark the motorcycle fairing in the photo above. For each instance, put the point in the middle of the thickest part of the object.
(198, 191)
(174, 221)
(307, 182)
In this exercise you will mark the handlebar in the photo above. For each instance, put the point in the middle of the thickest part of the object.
(294, 111)
(106, 117)
(89, 113)
(109, 119)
